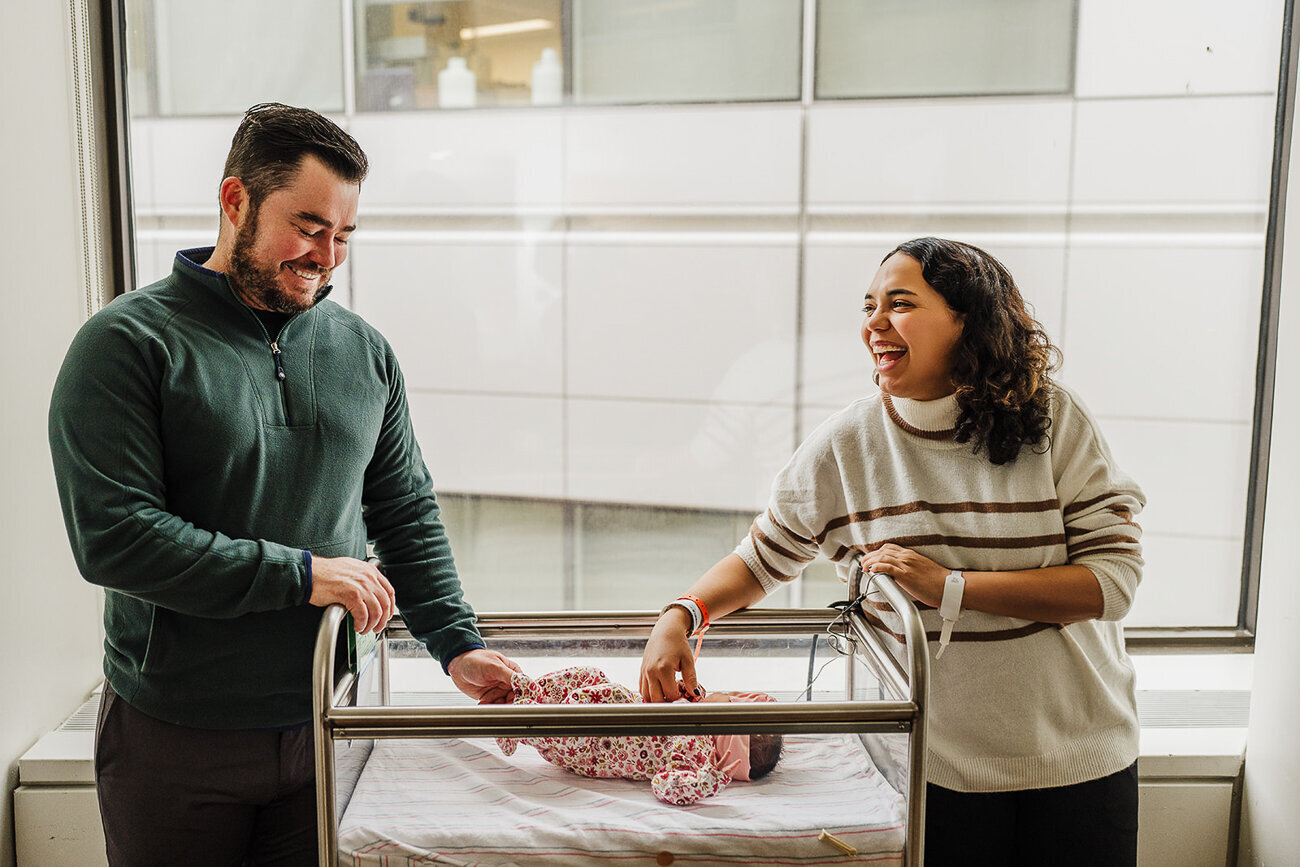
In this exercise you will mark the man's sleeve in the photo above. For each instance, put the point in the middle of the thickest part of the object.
(105, 441)
(404, 521)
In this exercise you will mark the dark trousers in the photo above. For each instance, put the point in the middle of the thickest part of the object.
(172, 795)
(1092, 824)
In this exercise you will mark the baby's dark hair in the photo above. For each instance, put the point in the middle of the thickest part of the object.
(764, 753)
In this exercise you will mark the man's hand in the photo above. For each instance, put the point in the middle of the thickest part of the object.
(358, 586)
(484, 675)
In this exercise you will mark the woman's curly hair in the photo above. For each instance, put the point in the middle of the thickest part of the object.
(1003, 360)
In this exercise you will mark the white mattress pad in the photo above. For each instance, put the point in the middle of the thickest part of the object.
(456, 801)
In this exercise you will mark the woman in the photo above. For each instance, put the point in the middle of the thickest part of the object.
(971, 474)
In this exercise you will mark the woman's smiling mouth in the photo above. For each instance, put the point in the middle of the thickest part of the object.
(887, 353)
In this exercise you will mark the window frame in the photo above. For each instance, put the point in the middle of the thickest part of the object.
(110, 66)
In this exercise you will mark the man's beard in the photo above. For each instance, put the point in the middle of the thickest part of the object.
(257, 285)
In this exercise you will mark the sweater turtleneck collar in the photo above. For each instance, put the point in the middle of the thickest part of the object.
(931, 419)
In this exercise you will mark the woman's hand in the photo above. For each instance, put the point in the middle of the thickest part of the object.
(726, 587)
(667, 652)
(915, 573)
(1049, 594)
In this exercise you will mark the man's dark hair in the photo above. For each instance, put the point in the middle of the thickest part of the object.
(272, 139)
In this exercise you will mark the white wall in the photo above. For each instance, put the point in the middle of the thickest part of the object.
(1270, 834)
(49, 641)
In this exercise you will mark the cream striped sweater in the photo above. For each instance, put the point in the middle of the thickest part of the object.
(1014, 704)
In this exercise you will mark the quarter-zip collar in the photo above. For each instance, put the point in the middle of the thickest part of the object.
(187, 263)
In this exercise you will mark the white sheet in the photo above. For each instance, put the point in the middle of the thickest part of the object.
(463, 802)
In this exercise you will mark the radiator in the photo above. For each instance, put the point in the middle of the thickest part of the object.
(56, 813)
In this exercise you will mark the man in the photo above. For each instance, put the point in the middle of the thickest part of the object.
(226, 441)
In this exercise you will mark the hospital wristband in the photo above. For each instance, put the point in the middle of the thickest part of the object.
(701, 627)
(691, 609)
(704, 610)
(954, 587)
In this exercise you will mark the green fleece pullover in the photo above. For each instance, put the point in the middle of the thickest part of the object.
(198, 458)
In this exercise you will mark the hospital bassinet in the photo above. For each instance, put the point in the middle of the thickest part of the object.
(414, 776)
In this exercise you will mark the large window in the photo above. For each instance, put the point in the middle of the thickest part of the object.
(620, 311)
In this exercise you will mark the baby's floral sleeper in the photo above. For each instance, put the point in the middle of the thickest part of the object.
(680, 768)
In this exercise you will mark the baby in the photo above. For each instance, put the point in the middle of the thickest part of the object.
(681, 768)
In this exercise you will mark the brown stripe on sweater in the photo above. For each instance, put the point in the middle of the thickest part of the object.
(965, 507)
(993, 635)
(846, 551)
(771, 572)
(885, 606)
(1089, 552)
(1111, 539)
(1080, 505)
(786, 530)
(914, 542)
(897, 419)
(970, 541)
(1127, 551)
(1073, 534)
(759, 536)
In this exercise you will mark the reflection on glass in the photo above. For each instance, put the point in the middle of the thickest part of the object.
(139, 60)
(637, 557)
(531, 555)
(686, 50)
(456, 54)
(510, 553)
(877, 48)
(190, 57)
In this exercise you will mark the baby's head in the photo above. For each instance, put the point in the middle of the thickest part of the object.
(764, 749)
(764, 753)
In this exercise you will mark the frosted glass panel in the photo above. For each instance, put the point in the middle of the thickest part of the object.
(637, 558)
(535, 555)
(686, 51)
(509, 553)
(943, 47)
(220, 58)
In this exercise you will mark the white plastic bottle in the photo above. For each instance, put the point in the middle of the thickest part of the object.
(548, 79)
(457, 85)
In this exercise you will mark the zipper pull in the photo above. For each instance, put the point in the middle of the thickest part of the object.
(279, 365)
